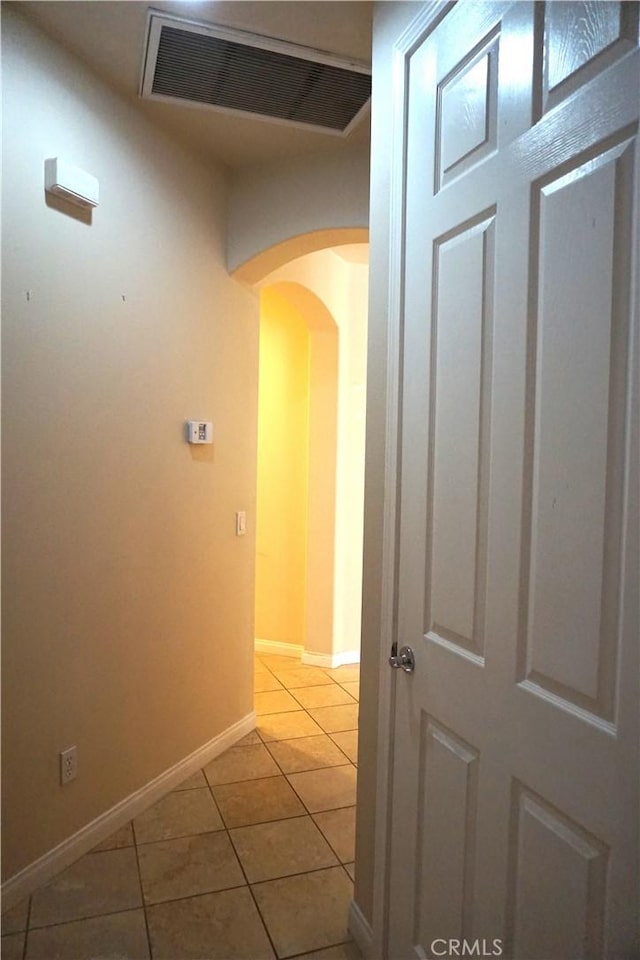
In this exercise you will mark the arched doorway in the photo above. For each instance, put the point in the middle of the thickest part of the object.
(325, 292)
(296, 489)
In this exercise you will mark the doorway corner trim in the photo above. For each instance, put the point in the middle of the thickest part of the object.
(361, 931)
(330, 660)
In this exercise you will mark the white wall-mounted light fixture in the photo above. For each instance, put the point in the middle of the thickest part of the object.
(70, 183)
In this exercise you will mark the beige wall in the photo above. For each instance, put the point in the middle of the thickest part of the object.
(307, 199)
(128, 600)
(283, 470)
(275, 587)
(323, 423)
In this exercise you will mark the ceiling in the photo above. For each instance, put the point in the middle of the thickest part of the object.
(109, 36)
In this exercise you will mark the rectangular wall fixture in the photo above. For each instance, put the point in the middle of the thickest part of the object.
(199, 431)
(70, 183)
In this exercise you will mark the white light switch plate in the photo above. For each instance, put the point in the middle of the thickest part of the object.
(199, 431)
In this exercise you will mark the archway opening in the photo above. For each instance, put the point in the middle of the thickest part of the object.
(314, 310)
(297, 424)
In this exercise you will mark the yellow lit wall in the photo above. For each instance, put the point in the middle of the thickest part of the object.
(335, 306)
(283, 456)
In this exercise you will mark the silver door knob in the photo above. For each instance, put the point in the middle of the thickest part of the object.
(404, 660)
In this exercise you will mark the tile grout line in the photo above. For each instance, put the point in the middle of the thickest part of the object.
(335, 852)
(309, 812)
(252, 895)
(350, 763)
(228, 829)
(26, 929)
(296, 956)
(142, 896)
(90, 916)
(188, 896)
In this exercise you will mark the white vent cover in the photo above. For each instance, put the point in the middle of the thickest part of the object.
(246, 74)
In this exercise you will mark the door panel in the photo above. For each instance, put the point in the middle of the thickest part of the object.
(578, 356)
(449, 786)
(460, 401)
(515, 787)
(578, 40)
(467, 110)
(546, 844)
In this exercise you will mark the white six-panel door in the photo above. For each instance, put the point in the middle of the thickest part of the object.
(515, 801)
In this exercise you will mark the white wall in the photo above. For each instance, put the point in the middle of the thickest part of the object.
(125, 590)
(272, 203)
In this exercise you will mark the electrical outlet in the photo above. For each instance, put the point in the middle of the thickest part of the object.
(68, 765)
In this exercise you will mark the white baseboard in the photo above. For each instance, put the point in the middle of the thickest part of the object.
(361, 931)
(279, 648)
(330, 660)
(326, 660)
(46, 867)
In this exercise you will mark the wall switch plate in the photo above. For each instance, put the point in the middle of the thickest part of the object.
(68, 765)
(199, 431)
(241, 523)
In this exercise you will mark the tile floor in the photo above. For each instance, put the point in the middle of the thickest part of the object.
(251, 858)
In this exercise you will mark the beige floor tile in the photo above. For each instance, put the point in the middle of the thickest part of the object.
(329, 695)
(344, 951)
(97, 883)
(218, 926)
(334, 719)
(306, 912)
(286, 726)
(276, 701)
(12, 946)
(347, 740)
(122, 935)
(193, 782)
(252, 762)
(15, 919)
(179, 814)
(351, 870)
(191, 865)
(248, 740)
(256, 801)
(120, 838)
(325, 789)
(352, 687)
(346, 674)
(306, 753)
(271, 660)
(281, 848)
(339, 827)
(264, 681)
(301, 676)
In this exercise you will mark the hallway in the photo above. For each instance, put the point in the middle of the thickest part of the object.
(249, 859)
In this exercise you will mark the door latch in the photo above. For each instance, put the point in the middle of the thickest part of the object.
(404, 660)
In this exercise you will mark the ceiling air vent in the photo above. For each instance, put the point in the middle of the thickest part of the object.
(259, 77)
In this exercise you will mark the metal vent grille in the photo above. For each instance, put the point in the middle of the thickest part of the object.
(232, 71)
